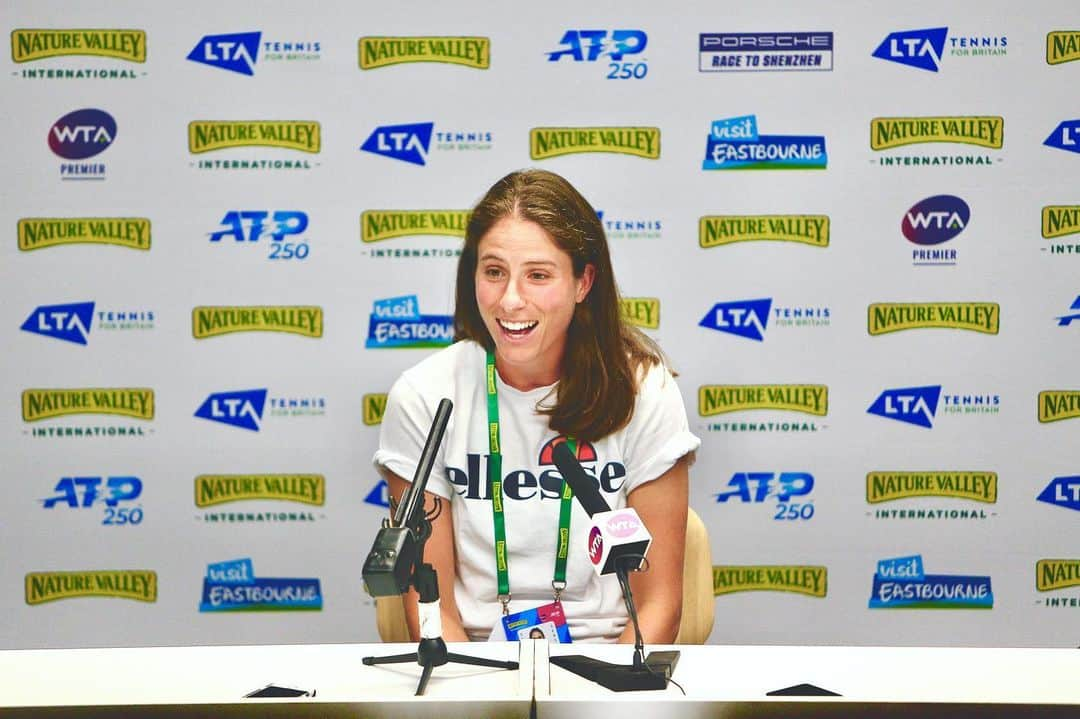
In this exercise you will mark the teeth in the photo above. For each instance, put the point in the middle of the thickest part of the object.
(517, 326)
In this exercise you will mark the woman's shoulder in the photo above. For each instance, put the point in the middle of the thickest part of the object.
(461, 360)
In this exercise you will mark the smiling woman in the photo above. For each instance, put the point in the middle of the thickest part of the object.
(542, 357)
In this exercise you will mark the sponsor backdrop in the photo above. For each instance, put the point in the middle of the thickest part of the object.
(854, 229)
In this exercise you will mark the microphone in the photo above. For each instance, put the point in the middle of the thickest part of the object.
(618, 538)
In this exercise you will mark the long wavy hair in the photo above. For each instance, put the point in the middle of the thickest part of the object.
(604, 355)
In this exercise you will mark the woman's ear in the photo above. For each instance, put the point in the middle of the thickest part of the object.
(585, 282)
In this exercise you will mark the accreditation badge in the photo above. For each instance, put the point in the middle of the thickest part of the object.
(544, 622)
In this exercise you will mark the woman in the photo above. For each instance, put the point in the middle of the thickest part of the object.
(537, 311)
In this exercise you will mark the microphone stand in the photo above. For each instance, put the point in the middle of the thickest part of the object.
(402, 543)
(639, 676)
(431, 652)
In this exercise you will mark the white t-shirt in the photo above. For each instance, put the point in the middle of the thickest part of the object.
(656, 437)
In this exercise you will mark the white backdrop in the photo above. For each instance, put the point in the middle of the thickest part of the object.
(652, 209)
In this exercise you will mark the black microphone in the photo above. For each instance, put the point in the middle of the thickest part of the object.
(618, 538)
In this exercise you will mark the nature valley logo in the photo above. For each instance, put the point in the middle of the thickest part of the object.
(1062, 46)
(378, 225)
(807, 398)
(889, 133)
(137, 584)
(799, 579)
(982, 317)
(891, 486)
(374, 407)
(376, 52)
(718, 230)
(35, 233)
(39, 404)
(981, 131)
(1059, 404)
(1060, 221)
(29, 45)
(1054, 574)
(210, 135)
(545, 142)
(641, 311)
(306, 321)
(214, 489)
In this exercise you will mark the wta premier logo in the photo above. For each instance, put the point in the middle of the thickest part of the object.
(306, 321)
(80, 135)
(887, 134)
(547, 142)
(1062, 46)
(734, 144)
(228, 135)
(396, 323)
(884, 318)
(35, 233)
(808, 580)
(901, 583)
(137, 584)
(1056, 405)
(723, 230)
(972, 487)
(35, 45)
(467, 51)
(233, 587)
(641, 312)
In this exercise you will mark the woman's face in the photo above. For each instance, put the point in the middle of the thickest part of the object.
(526, 292)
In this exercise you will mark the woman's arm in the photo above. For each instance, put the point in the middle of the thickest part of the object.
(658, 593)
(439, 553)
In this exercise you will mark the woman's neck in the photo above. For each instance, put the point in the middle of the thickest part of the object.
(526, 378)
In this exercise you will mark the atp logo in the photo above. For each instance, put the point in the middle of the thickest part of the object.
(591, 45)
(1062, 492)
(1066, 136)
(70, 322)
(781, 488)
(82, 134)
(913, 405)
(86, 492)
(922, 49)
(241, 408)
(743, 318)
(935, 220)
(614, 46)
(235, 52)
(1066, 320)
(407, 143)
(250, 225)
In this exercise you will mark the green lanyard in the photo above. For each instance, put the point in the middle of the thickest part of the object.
(558, 582)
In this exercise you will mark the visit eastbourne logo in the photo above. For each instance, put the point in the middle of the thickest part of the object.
(233, 587)
(397, 323)
(734, 144)
(901, 583)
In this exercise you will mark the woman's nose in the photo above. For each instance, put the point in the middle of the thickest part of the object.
(512, 299)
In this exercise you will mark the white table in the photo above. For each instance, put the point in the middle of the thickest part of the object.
(719, 681)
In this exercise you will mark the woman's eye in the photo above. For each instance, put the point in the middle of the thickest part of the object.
(538, 276)
(493, 272)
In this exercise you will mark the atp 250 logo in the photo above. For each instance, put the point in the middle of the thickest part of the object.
(779, 487)
(110, 493)
(620, 50)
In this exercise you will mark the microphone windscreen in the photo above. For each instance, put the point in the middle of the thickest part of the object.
(582, 485)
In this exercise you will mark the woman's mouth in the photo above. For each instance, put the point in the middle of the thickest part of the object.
(517, 329)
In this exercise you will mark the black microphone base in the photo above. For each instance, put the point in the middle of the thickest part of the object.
(616, 677)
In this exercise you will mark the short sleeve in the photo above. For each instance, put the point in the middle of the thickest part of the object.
(658, 434)
(406, 422)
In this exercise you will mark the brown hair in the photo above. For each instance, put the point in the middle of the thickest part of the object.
(604, 354)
